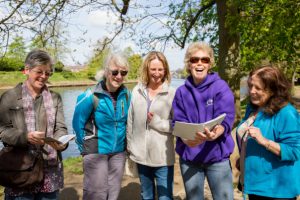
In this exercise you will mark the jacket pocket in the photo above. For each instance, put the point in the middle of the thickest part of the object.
(17, 116)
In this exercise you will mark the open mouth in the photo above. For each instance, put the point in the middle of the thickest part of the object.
(199, 70)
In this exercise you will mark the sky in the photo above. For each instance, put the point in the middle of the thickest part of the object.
(86, 28)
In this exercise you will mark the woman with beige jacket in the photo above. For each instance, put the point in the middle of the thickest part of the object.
(150, 142)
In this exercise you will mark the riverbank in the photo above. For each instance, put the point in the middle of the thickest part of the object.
(79, 83)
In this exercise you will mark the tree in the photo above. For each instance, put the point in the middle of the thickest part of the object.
(135, 64)
(17, 49)
(53, 43)
(15, 56)
(242, 32)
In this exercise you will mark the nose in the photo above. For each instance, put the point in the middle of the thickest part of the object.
(252, 90)
(119, 75)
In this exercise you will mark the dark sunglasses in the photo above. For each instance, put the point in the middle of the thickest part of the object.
(204, 60)
(116, 72)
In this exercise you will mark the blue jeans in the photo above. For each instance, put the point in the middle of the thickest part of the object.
(38, 196)
(219, 177)
(164, 182)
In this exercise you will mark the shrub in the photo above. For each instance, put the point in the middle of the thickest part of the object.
(10, 64)
(59, 66)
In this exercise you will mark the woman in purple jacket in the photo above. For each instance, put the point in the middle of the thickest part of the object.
(203, 97)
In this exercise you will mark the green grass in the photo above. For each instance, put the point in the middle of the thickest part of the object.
(73, 165)
(13, 78)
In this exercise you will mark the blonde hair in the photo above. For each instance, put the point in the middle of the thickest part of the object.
(194, 47)
(152, 56)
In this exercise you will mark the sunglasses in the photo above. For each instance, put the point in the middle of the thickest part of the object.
(204, 60)
(116, 72)
(40, 72)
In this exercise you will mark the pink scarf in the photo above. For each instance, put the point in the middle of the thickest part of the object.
(29, 113)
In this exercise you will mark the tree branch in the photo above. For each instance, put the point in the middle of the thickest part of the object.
(194, 20)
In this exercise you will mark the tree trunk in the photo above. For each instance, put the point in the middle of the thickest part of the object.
(229, 68)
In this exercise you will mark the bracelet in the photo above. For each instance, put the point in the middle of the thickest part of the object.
(268, 145)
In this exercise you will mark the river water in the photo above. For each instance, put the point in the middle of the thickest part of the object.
(69, 96)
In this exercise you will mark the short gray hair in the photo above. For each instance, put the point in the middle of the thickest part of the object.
(117, 59)
(38, 57)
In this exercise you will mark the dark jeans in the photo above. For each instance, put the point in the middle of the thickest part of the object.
(38, 196)
(255, 197)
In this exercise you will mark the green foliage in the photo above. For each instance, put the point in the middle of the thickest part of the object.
(135, 62)
(73, 165)
(270, 32)
(68, 75)
(205, 27)
(11, 64)
(96, 62)
(59, 66)
(17, 49)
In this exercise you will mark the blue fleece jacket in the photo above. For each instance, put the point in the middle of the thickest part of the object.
(265, 173)
(101, 130)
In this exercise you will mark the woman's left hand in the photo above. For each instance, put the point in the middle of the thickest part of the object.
(211, 135)
(57, 146)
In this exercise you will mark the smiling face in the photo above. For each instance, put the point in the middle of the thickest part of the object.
(113, 79)
(156, 72)
(199, 70)
(37, 77)
(259, 95)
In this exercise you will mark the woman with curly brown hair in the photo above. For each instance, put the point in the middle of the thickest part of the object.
(269, 138)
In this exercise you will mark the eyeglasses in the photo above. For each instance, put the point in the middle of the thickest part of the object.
(204, 60)
(116, 72)
(40, 72)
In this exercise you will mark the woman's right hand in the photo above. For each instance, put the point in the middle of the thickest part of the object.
(36, 137)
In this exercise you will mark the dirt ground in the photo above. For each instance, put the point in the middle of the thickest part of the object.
(131, 187)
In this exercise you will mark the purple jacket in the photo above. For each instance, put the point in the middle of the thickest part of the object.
(197, 104)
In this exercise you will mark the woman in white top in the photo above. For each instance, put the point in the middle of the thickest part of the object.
(149, 139)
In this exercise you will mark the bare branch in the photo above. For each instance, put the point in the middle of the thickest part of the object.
(13, 12)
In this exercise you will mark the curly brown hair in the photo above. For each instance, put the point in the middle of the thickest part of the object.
(274, 81)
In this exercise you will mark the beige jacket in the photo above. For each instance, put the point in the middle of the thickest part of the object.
(151, 144)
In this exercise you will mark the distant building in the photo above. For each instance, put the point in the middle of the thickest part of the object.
(75, 68)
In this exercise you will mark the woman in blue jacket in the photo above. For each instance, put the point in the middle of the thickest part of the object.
(269, 138)
(99, 122)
